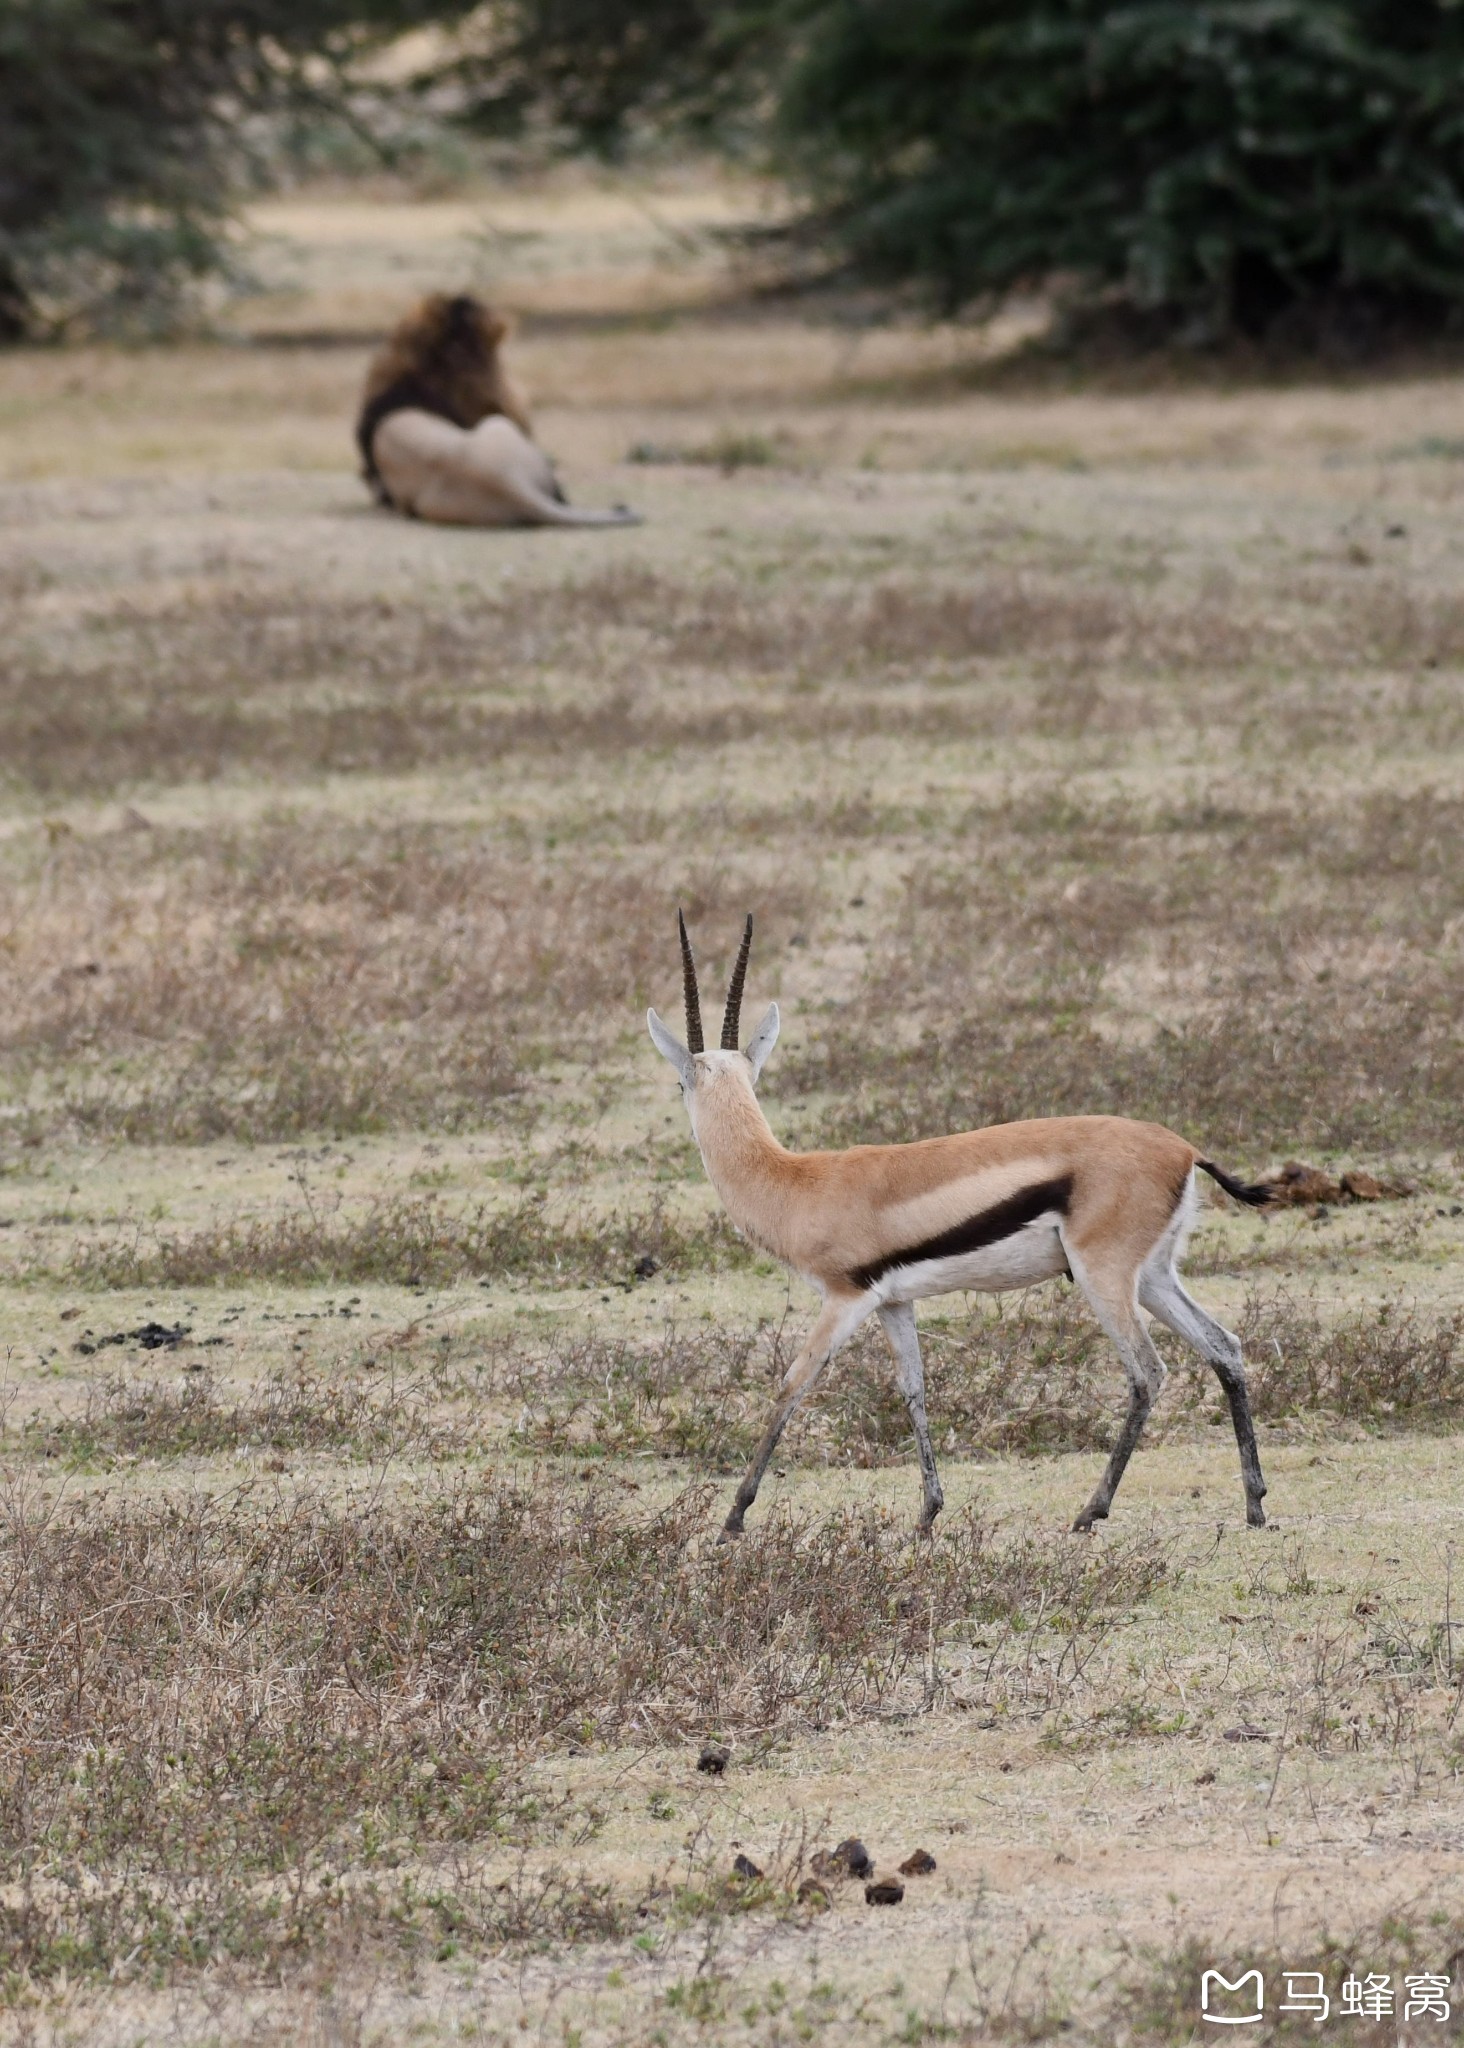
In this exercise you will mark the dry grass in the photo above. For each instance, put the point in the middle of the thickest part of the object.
(121, 1421)
(1278, 976)
(230, 1722)
(291, 684)
(1294, 967)
(1023, 1377)
(1007, 1995)
(1290, 976)
(191, 985)
(1032, 1378)
(1379, 1071)
(410, 1241)
(1378, 1365)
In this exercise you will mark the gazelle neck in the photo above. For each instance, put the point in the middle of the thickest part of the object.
(744, 1161)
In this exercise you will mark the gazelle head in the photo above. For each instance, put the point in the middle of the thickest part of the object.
(695, 1066)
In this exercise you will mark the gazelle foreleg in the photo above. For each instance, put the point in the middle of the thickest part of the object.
(1112, 1300)
(904, 1340)
(1162, 1294)
(838, 1319)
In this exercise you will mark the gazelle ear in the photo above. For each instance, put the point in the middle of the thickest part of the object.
(670, 1047)
(763, 1039)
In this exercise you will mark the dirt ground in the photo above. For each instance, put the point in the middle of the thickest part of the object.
(376, 1365)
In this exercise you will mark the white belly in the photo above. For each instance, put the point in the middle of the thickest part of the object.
(1021, 1260)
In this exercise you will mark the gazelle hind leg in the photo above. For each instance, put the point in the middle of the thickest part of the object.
(1112, 1301)
(904, 1340)
(1162, 1294)
(838, 1319)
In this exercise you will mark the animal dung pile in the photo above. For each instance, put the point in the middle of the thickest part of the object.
(855, 1858)
(850, 1859)
(1298, 1186)
(148, 1337)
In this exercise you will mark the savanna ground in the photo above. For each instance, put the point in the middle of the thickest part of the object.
(376, 1362)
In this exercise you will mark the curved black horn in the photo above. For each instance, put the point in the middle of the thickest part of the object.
(732, 1015)
(694, 1041)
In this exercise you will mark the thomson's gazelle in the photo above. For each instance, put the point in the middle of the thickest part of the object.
(877, 1228)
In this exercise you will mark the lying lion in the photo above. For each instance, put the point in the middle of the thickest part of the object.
(444, 435)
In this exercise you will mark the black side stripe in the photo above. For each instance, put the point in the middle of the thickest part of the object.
(1003, 1219)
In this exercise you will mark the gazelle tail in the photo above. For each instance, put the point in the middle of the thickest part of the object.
(1254, 1194)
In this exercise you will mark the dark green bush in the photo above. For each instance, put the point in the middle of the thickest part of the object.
(1217, 163)
(1220, 163)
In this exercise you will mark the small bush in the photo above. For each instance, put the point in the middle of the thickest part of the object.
(1391, 1362)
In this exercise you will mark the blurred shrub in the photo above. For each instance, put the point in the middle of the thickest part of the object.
(1213, 165)
(121, 140)
(1222, 164)
(598, 71)
(1217, 164)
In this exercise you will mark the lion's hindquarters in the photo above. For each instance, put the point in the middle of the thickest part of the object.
(507, 460)
(419, 458)
(488, 475)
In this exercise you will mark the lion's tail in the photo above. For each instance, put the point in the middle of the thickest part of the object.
(546, 511)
